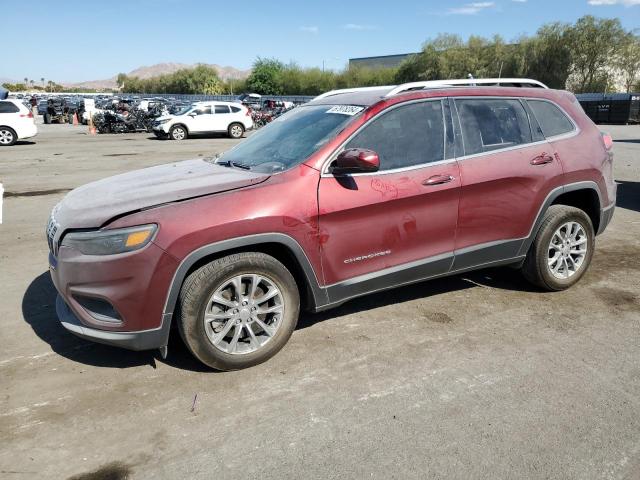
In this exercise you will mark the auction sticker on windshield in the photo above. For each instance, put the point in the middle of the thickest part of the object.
(346, 109)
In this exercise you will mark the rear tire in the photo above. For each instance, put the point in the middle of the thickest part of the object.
(233, 337)
(558, 258)
(178, 132)
(8, 136)
(235, 130)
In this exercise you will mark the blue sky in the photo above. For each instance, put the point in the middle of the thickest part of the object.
(98, 38)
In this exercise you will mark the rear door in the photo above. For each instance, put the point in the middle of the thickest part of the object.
(507, 171)
(398, 224)
(221, 118)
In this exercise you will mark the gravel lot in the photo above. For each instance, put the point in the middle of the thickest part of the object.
(474, 376)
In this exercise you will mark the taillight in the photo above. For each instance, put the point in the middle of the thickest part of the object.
(608, 141)
(248, 114)
(29, 115)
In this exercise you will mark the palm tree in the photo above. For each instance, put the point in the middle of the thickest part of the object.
(26, 83)
(50, 85)
(42, 80)
(32, 83)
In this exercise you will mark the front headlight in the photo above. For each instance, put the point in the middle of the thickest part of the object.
(164, 120)
(109, 242)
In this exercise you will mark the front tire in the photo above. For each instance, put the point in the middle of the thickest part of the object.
(7, 136)
(562, 250)
(238, 311)
(178, 132)
(235, 130)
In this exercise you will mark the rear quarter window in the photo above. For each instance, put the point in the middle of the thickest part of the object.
(235, 109)
(551, 119)
(8, 107)
(221, 109)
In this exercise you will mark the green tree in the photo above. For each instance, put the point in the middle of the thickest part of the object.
(265, 76)
(593, 44)
(628, 61)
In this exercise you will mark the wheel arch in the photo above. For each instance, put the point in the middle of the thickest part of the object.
(583, 195)
(179, 124)
(280, 246)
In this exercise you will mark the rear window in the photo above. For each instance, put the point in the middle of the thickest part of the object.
(551, 119)
(492, 124)
(221, 109)
(8, 107)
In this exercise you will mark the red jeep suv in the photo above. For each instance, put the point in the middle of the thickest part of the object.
(356, 192)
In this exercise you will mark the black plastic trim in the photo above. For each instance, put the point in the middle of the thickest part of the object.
(137, 340)
(319, 294)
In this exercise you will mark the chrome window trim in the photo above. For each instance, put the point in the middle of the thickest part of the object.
(576, 128)
(324, 171)
(576, 131)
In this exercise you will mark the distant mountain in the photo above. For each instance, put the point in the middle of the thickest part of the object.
(225, 73)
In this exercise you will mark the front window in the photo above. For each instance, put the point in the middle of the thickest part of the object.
(291, 138)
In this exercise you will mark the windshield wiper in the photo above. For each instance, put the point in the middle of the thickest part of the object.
(228, 163)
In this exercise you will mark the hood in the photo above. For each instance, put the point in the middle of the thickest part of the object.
(94, 204)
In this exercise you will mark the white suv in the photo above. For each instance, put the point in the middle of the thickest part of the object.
(205, 117)
(16, 122)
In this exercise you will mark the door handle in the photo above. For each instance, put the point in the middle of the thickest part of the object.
(542, 159)
(437, 180)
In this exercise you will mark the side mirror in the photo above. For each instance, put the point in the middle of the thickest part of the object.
(355, 160)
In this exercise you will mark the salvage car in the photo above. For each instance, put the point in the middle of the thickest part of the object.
(356, 192)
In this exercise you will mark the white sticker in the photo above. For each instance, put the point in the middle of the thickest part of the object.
(346, 109)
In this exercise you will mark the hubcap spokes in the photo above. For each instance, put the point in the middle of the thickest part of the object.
(567, 250)
(5, 137)
(243, 314)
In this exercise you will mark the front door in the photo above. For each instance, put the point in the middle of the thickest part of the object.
(201, 120)
(396, 225)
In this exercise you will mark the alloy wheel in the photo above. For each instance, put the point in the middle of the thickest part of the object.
(243, 314)
(567, 250)
(178, 133)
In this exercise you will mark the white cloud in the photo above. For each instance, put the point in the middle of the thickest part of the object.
(470, 8)
(626, 3)
(519, 1)
(356, 26)
(312, 29)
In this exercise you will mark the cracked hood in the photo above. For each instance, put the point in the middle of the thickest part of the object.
(94, 204)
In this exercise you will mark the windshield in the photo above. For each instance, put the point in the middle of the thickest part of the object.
(183, 110)
(291, 138)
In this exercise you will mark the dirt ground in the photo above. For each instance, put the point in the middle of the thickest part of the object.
(474, 376)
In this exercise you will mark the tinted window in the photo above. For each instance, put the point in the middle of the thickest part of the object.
(551, 119)
(8, 107)
(235, 109)
(492, 124)
(222, 109)
(203, 111)
(405, 136)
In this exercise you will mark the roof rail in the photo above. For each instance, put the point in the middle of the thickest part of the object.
(351, 90)
(466, 82)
